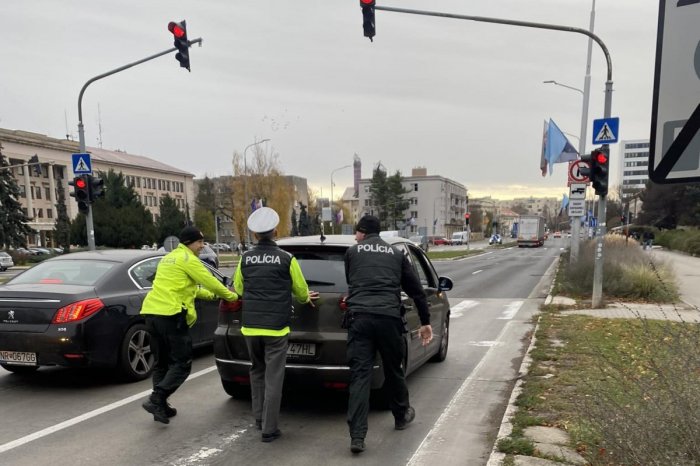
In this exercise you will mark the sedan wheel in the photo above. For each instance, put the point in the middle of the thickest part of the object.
(136, 356)
(441, 355)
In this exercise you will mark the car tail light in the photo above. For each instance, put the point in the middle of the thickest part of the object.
(343, 303)
(77, 311)
(336, 385)
(242, 379)
(230, 306)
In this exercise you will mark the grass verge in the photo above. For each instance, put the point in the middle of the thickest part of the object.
(446, 255)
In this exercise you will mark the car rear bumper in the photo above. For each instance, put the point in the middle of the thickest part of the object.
(235, 370)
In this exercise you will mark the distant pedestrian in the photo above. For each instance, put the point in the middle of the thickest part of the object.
(169, 311)
(266, 278)
(376, 273)
(647, 239)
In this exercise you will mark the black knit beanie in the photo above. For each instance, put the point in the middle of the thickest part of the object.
(189, 235)
(368, 224)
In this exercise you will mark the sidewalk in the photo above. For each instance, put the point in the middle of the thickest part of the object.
(554, 442)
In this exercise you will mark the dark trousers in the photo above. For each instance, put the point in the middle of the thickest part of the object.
(367, 335)
(172, 348)
(268, 356)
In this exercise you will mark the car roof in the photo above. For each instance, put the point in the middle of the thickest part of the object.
(330, 240)
(119, 255)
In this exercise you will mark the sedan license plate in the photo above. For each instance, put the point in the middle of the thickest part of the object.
(301, 349)
(18, 358)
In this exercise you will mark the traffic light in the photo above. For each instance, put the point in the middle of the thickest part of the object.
(368, 18)
(466, 218)
(179, 31)
(97, 188)
(600, 170)
(81, 193)
(218, 222)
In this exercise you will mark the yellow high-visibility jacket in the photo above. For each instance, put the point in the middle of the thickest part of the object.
(180, 278)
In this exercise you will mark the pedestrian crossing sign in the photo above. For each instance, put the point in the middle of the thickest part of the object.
(82, 164)
(605, 130)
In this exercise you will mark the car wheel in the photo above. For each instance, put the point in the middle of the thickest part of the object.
(19, 369)
(441, 355)
(236, 390)
(136, 357)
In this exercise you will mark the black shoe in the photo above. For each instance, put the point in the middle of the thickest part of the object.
(258, 424)
(357, 445)
(408, 417)
(156, 406)
(169, 410)
(272, 437)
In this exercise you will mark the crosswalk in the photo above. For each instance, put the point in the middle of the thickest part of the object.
(508, 309)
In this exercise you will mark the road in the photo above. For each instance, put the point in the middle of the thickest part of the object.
(68, 417)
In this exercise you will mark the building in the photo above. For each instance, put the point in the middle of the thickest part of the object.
(633, 166)
(38, 184)
(436, 204)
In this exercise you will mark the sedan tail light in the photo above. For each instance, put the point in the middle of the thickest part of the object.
(343, 303)
(230, 306)
(77, 311)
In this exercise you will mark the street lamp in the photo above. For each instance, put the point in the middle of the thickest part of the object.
(332, 216)
(245, 181)
(435, 218)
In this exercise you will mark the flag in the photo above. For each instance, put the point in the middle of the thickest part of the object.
(558, 149)
(434, 222)
(339, 216)
(564, 203)
(253, 205)
(412, 221)
(543, 159)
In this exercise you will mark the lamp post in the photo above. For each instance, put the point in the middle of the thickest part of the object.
(245, 181)
(332, 216)
(435, 218)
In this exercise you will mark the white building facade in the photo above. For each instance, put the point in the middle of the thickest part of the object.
(633, 166)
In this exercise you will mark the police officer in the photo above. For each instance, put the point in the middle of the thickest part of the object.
(169, 310)
(376, 272)
(266, 278)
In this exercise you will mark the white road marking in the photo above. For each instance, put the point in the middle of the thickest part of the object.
(89, 415)
(204, 453)
(458, 309)
(484, 343)
(511, 310)
(454, 404)
(478, 271)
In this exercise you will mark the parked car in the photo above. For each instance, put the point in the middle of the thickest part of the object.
(5, 261)
(495, 239)
(221, 247)
(557, 234)
(460, 237)
(438, 240)
(82, 310)
(317, 344)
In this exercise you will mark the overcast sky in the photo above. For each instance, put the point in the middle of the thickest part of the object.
(461, 98)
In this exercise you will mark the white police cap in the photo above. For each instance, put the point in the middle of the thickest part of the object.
(262, 220)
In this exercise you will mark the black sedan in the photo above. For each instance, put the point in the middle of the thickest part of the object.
(82, 310)
(317, 343)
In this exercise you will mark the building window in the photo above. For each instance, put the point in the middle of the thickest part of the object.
(41, 213)
(37, 191)
(49, 213)
(47, 193)
(22, 191)
(415, 186)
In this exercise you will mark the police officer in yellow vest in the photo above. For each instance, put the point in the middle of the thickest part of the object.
(266, 278)
(169, 310)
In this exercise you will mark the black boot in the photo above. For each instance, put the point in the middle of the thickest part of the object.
(169, 410)
(156, 405)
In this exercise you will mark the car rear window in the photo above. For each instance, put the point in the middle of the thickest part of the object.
(71, 272)
(323, 268)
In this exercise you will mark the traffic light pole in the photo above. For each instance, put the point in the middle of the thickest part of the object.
(81, 129)
(598, 267)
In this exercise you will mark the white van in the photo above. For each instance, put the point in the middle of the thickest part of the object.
(460, 237)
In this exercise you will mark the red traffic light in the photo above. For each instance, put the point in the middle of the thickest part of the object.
(600, 158)
(177, 30)
(466, 215)
(80, 183)
(367, 2)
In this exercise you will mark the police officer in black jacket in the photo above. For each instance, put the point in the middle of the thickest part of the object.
(376, 272)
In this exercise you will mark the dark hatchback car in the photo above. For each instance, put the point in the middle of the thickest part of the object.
(317, 343)
(82, 310)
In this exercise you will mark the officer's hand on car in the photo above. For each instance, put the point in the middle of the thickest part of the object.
(313, 296)
(426, 334)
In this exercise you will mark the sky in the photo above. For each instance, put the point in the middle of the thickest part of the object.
(464, 99)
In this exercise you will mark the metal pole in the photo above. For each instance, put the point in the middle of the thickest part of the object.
(331, 203)
(81, 129)
(245, 184)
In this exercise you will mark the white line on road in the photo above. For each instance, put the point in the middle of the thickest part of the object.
(478, 271)
(458, 309)
(84, 417)
(511, 310)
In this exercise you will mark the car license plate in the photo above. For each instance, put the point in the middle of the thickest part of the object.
(18, 358)
(301, 349)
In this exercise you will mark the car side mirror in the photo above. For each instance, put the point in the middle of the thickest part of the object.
(444, 284)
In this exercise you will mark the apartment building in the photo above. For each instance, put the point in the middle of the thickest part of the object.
(633, 166)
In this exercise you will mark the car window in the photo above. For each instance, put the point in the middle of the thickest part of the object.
(144, 272)
(71, 272)
(323, 268)
(422, 268)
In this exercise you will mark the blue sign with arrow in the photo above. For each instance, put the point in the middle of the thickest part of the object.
(606, 130)
(82, 164)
